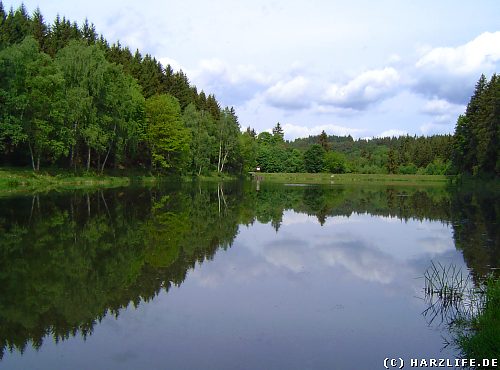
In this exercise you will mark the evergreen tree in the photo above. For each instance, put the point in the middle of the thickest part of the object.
(391, 162)
(39, 29)
(278, 133)
(323, 141)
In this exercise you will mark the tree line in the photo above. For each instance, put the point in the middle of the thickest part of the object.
(69, 99)
(476, 148)
(342, 154)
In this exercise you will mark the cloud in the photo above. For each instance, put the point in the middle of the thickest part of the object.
(291, 94)
(450, 72)
(293, 131)
(443, 116)
(436, 127)
(364, 90)
(437, 244)
(360, 260)
(176, 66)
(232, 85)
(481, 53)
(438, 107)
(391, 133)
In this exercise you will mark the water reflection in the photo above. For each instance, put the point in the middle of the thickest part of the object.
(70, 261)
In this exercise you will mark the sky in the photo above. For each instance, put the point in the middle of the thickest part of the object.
(360, 67)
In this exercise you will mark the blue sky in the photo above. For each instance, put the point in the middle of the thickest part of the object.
(365, 68)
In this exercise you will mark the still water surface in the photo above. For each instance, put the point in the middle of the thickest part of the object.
(211, 276)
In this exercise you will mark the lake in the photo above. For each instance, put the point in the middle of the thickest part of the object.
(234, 275)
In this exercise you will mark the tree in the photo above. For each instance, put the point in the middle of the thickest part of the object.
(476, 139)
(198, 122)
(391, 162)
(48, 135)
(167, 137)
(323, 141)
(39, 29)
(14, 62)
(84, 68)
(227, 137)
(278, 133)
(314, 158)
(335, 162)
(295, 161)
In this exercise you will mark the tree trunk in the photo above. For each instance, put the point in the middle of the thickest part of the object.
(32, 159)
(224, 161)
(220, 155)
(109, 150)
(38, 163)
(88, 161)
(88, 205)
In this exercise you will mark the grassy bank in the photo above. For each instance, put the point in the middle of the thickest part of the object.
(349, 178)
(483, 341)
(14, 181)
(18, 181)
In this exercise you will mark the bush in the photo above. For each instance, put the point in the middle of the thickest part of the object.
(409, 169)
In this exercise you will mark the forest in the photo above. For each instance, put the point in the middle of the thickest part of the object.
(70, 100)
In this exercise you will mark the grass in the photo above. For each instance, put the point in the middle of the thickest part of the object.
(15, 181)
(24, 180)
(483, 340)
(350, 178)
(472, 313)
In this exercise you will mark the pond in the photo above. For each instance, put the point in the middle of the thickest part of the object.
(234, 275)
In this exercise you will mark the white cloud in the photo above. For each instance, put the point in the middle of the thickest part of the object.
(482, 53)
(391, 133)
(436, 127)
(440, 107)
(176, 66)
(437, 245)
(292, 131)
(292, 94)
(443, 116)
(294, 218)
(394, 59)
(231, 74)
(363, 262)
(365, 89)
(450, 72)
(232, 84)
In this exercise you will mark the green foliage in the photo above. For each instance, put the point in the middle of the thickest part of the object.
(391, 162)
(278, 133)
(314, 158)
(408, 169)
(227, 136)
(335, 162)
(482, 341)
(201, 142)
(248, 146)
(294, 162)
(476, 149)
(166, 135)
(438, 167)
(93, 114)
(323, 141)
